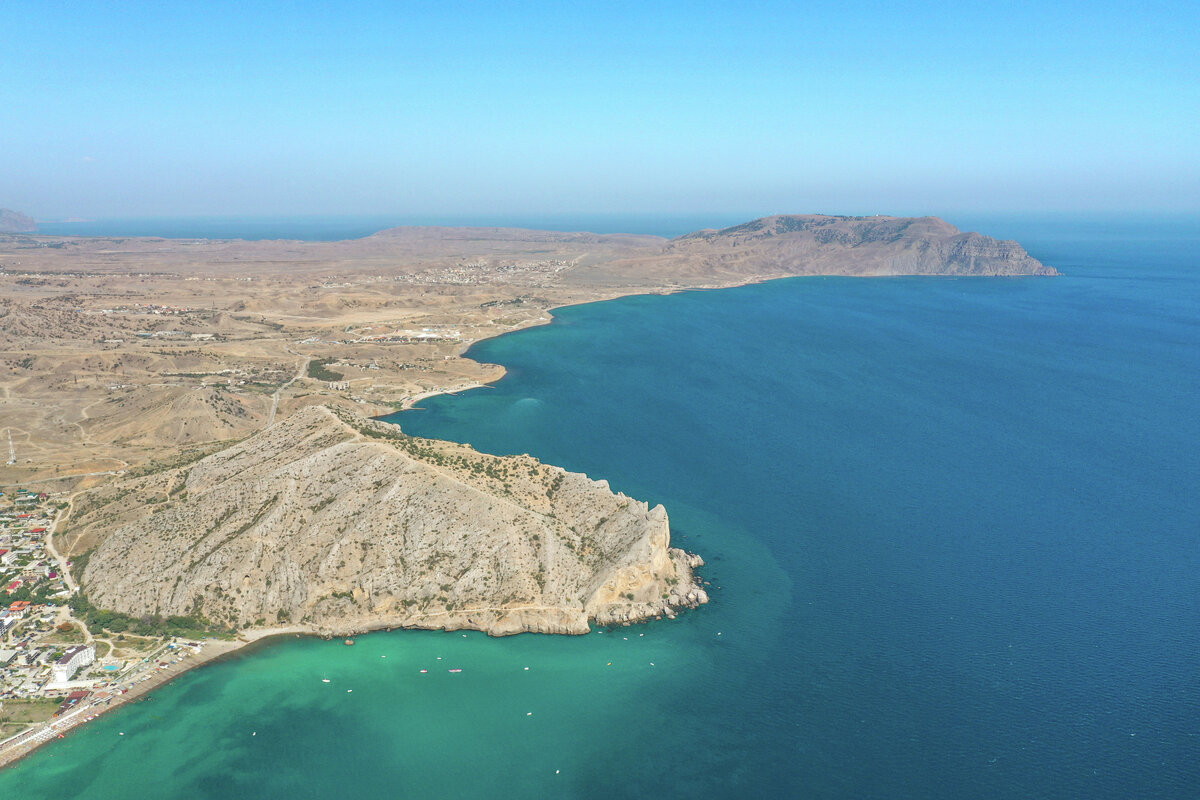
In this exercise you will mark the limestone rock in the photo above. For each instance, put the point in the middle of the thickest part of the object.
(340, 524)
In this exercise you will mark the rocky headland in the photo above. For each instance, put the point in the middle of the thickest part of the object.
(341, 524)
(819, 244)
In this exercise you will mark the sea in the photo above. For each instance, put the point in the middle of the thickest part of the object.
(951, 529)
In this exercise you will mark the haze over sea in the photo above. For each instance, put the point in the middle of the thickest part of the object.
(952, 528)
(358, 226)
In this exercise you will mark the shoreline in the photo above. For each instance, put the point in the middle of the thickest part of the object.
(244, 643)
(214, 650)
(641, 291)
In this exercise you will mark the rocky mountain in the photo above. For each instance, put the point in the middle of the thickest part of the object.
(16, 222)
(815, 244)
(338, 524)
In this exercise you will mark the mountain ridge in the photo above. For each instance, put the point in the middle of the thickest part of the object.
(343, 524)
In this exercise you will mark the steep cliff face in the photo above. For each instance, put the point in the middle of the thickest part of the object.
(815, 244)
(345, 524)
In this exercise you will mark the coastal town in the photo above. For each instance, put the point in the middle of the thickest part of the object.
(55, 671)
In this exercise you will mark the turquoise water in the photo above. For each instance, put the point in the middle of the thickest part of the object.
(954, 525)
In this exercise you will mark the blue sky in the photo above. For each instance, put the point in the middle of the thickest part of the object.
(251, 108)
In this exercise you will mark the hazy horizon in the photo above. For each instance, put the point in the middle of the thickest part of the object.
(450, 109)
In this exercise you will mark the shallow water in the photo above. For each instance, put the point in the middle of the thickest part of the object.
(954, 524)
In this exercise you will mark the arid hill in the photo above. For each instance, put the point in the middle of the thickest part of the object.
(341, 524)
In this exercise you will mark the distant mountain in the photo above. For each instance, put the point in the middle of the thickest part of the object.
(816, 244)
(16, 222)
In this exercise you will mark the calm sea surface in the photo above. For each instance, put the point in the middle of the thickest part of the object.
(952, 529)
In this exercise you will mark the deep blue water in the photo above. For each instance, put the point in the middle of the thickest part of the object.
(973, 506)
(952, 528)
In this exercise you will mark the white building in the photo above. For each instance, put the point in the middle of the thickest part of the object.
(75, 657)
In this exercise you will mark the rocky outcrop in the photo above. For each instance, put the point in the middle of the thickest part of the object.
(16, 222)
(341, 524)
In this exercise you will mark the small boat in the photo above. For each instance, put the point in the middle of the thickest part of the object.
(348, 642)
(455, 670)
(324, 680)
(424, 671)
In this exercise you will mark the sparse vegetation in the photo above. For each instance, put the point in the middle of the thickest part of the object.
(317, 369)
(191, 626)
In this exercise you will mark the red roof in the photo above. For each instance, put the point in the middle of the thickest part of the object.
(19, 605)
(37, 530)
(12, 587)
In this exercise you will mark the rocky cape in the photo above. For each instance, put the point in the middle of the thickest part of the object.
(342, 524)
(818, 244)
